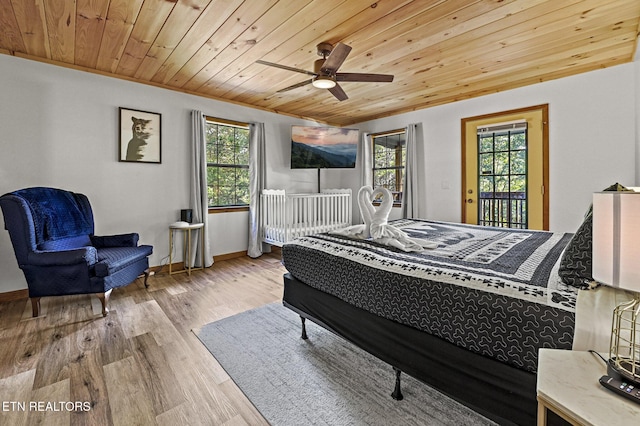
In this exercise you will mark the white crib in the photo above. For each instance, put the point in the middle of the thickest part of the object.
(288, 216)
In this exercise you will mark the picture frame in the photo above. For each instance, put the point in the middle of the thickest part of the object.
(140, 138)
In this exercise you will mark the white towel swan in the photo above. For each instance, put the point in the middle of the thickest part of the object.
(376, 224)
(367, 211)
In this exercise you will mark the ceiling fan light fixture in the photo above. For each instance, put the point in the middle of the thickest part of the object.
(325, 71)
(324, 82)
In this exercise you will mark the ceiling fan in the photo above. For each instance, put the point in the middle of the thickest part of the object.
(325, 71)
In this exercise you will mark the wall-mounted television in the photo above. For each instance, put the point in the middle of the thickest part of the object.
(314, 147)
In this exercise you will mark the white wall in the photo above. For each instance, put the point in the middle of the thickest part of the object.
(592, 142)
(59, 127)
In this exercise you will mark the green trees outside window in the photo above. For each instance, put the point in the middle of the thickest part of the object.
(227, 163)
(389, 155)
(502, 179)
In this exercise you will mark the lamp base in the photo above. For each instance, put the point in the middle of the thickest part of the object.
(621, 374)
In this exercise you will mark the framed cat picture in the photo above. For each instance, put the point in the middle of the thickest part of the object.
(140, 136)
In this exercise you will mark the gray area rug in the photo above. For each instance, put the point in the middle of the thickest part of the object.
(324, 380)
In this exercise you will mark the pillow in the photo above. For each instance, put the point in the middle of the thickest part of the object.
(576, 265)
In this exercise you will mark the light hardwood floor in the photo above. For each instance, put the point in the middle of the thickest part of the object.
(140, 365)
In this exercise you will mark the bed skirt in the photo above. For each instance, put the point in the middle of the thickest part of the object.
(498, 391)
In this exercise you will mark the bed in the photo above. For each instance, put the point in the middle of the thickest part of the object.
(467, 317)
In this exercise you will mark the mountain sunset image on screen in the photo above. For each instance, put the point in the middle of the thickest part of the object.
(314, 147)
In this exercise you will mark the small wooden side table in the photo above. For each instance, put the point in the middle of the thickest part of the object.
(186, 251)
(568, 385)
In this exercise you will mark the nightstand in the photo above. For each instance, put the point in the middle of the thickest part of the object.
(186, 252)
(568, 385)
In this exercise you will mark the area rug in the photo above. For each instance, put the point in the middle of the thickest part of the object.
(324, 380)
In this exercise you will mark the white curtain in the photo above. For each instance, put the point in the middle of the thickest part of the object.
(199, 203)
(257, 182)
(411, 193)
(366, 154)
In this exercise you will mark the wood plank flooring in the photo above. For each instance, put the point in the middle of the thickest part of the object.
(140, 365)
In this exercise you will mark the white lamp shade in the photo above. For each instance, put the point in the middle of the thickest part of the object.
(616, 239)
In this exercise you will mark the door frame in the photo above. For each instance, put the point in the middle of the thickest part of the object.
(544, 108)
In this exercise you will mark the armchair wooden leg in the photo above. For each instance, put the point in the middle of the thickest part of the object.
(35, 306)
(104, 300)
(147, 272)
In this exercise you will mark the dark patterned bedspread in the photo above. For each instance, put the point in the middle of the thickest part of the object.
(493, 291)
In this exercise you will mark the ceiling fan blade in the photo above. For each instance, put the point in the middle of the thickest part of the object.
(337, 56)
(284, 67)
(368, 78)
(338, 92)
(295, 86)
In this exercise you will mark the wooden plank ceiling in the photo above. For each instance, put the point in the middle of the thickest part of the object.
(439, 51)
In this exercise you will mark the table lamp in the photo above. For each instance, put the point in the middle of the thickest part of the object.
(616, 263)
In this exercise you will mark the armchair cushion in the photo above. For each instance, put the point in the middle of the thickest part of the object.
(122, 240)
(113, 259)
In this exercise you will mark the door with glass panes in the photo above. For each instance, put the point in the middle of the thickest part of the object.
(505, 169)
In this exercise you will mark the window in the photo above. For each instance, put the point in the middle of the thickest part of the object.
(502, 175)
(388, 162)
(227, 163)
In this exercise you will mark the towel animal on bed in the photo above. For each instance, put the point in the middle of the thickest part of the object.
(376, 226)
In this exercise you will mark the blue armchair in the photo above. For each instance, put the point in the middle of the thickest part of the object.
(51, 231)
